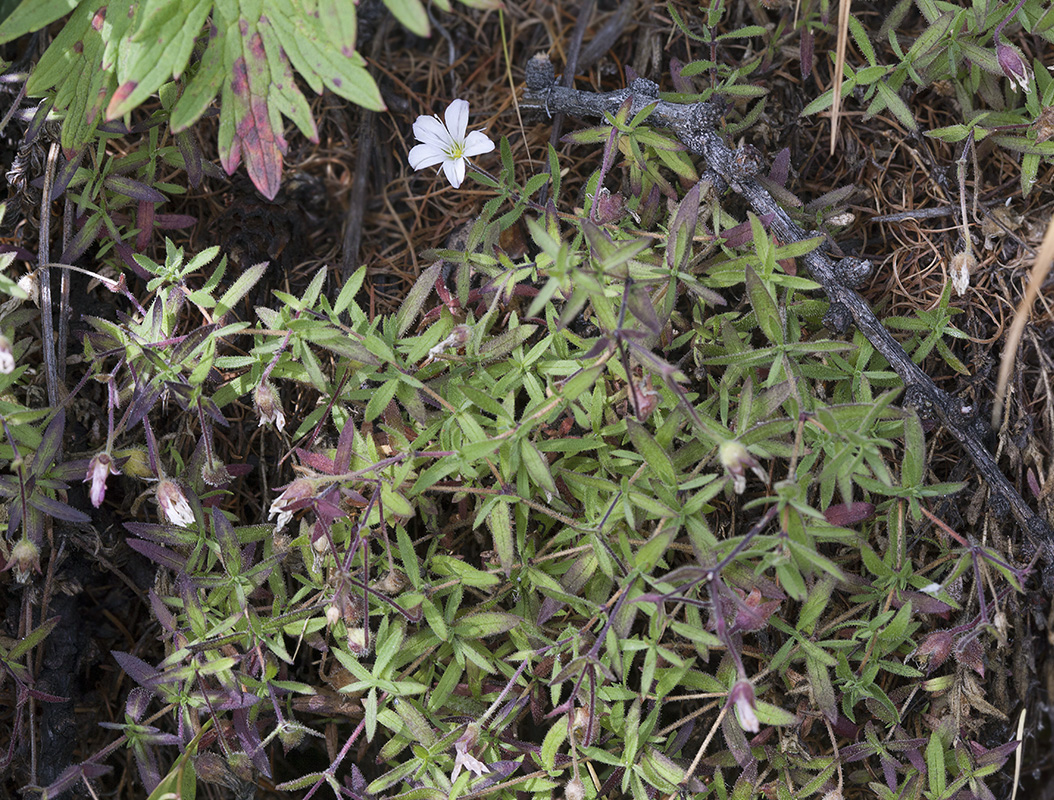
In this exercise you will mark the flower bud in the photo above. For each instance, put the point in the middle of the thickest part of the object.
(574, 790)
(742, 697)
(268, 405)
(962, 266)
(99, 469)
(736, 459)
(25, 557)
(290, 735)
(1012, 62)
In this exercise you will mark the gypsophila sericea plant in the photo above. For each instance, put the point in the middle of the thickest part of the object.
(447, 143)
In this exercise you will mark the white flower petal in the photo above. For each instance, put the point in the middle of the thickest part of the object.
(454, 169)
(457, 119)
(429, 130)
(477, 143)
(425, 155)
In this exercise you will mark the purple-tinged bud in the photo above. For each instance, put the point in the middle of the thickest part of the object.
(1013, 64)
(742, 697)
(99, 469)
(268, 405)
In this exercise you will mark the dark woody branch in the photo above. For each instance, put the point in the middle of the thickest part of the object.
(695, 125)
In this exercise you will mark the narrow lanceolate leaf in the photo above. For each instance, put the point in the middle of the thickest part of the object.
(682, 230)
(206, 84)
(500, 522)
(241, 287)
(415, 300)
(137, 190)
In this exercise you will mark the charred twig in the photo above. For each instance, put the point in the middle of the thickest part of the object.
(695, 126)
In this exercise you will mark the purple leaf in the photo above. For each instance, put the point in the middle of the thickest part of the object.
(249, 738)
(137, 190)
(806, 52)
(145, 220)
(188, 148)
(781, 167)
(137, 669)
(172, 222)
(66, 172)
(849, 514)
(57, 509)
(159, 555)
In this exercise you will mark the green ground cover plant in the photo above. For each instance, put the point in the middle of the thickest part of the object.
(619, 512)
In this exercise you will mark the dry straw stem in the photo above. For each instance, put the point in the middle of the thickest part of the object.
(696, 126)
(1040, 268)
(839, 67)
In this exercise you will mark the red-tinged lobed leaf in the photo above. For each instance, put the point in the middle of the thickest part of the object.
(245, 119)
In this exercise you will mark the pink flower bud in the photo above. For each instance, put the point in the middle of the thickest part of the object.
(742, 697)
(1012, 62)
(99, 469)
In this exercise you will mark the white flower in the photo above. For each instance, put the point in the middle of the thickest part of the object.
(447, 144)
(463, 759)
(174, 503)
(290, 500)
(7, 358)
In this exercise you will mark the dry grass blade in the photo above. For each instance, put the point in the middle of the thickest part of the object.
(1013, 339)
(839, 68)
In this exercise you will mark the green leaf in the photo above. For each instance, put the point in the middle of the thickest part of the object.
(380, 399)
(538, 468)
(486, 623)
(35, 637)
(241, 287)
(466, 573)
(774, 715)
(416, 297)
(764, 306)
(181, 781)
(897, 106)
(654, 455)
(158, 50)
(935, 764)
(554, 739)
(33, 15)
(411, 14)
(499, 520)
